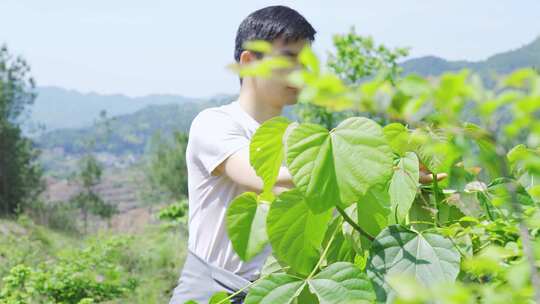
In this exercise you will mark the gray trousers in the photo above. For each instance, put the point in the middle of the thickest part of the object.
(199, 280)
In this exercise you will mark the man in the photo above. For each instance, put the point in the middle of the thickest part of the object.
(217, 159)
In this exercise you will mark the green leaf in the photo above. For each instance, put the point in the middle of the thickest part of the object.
(374, 210)
(261, 68)
(275, 288)
(515, 155)
(438, 153)
(339, 166)
(397, 136)
(309, 59)
(499, 190)
(404, 184)
(429, 257)
(306, 297)
(296, 232)
(341, 248)
(261, 46)
(246, 225)
(342, 282)
(266, 151)
(422, 212)
(414, 85)
(309, 159)
(218, 297)
(520, 78)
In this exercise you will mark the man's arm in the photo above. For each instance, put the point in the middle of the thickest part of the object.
(238, 169)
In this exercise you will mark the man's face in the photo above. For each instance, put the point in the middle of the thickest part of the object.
(276, 90)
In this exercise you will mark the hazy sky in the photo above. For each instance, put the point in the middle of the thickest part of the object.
(182, 47)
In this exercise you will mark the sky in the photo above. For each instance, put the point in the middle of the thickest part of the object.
(137, 48)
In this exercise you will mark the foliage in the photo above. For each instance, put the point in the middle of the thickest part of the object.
(175, 212)
(356, 58)
(89, 200)
(90, 273)
(89, 176)
(20, 175)
(472, 237)
(57, 215)
(124, 268)
(166, 165)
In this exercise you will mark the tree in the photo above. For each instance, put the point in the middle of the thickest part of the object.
(89, 176)
(166, 174)
(167, 165)
(356, 58)
(20, 174)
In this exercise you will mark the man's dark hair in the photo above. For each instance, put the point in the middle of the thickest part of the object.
(271, 23)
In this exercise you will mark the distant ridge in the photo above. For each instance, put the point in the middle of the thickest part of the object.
(57, 107)
(502, 63)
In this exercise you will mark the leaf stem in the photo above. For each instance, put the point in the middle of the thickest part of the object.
(323, 255)
(353, 224)
(248, 285)
(437, 197)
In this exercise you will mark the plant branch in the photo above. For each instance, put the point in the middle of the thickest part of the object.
(353, 224)
(323, 255)
(223, 301)
(437, 197)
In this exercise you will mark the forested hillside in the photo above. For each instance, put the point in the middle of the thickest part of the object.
(502, 63)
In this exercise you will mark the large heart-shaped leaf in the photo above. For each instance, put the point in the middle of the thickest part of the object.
(275, 288)
(342, 282)
(404, 185)
(266, 150)
(246, 225)
(296, 232)
(339, 166)
(429, 257)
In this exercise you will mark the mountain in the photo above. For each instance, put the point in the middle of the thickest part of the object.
(61, 108)
(70, 113)
(130, 133)
(502, 63)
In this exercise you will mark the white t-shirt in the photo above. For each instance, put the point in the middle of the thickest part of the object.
(215, 134)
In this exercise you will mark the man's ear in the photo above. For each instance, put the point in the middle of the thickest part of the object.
(247, 57)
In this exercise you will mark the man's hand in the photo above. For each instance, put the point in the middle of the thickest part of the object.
(426, 177)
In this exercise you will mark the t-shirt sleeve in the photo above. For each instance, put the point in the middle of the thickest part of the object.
(214, 136)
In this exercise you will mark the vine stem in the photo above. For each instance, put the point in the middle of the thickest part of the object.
(436, 201)
(323, 255)
(353, 224)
